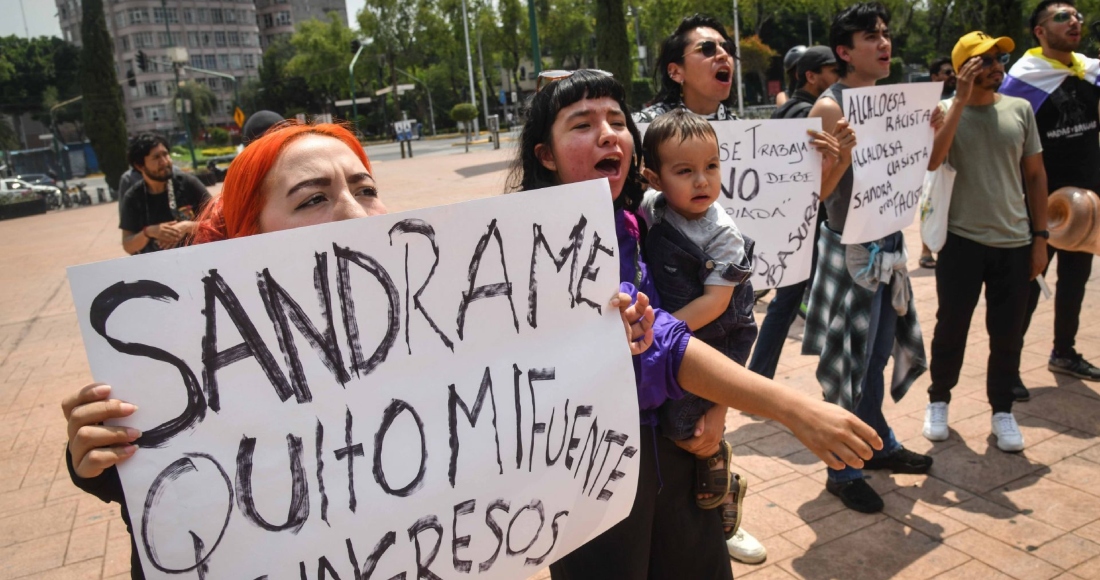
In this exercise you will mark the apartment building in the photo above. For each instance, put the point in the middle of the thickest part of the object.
(219, 35)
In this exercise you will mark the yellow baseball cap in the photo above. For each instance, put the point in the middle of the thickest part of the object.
(977, 43)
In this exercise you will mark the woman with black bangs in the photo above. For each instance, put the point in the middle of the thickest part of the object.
(695, 71)
(578, 129)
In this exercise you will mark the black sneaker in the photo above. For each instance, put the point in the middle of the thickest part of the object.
(1074, 365)
(856, 495)
(901, 461)
(1020, 392)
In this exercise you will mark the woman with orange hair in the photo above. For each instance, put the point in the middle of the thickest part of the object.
(295, 175)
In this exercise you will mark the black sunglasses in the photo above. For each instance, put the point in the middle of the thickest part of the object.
(1063, 16)
(709, 48)
(987, 60)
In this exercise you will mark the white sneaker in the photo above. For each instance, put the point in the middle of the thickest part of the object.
(1007, 432)
(935, 422)
(745, 548)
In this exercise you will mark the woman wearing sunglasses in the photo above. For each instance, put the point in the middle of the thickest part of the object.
(694, 71)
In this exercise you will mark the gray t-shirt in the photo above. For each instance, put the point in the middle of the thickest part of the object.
(988, 205)
(714, 233)
(836, 205)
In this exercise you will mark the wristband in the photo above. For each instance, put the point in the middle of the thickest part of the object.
(1041, 234)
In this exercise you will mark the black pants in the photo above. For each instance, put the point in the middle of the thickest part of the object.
(961, 268)
(665, 536)
(1074, 269)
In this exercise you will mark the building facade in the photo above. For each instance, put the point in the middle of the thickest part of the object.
(277, 18)
(219, 35)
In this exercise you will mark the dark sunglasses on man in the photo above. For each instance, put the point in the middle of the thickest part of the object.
(709, 48)
(1063, 16)
(987, 60)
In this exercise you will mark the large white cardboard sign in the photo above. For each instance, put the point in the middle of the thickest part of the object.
(439, 393)
(771, 184)
(894, 141)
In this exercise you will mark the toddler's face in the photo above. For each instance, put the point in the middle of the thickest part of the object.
(690, 176)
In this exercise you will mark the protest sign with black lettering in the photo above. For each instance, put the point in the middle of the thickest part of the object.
(771, 180)
(893, 125)
(442, 392)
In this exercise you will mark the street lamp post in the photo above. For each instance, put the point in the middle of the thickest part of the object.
(469, 61)
(431, 109)
(351, 85)
(737, 47)
(536, 54)
(183, 106)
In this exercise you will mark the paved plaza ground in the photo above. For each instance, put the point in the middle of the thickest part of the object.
(980, 513)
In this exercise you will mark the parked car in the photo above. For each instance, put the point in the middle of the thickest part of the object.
(13, 189)
(37, 179)
(42, 184)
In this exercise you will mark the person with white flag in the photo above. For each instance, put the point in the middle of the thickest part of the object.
(1061, 86)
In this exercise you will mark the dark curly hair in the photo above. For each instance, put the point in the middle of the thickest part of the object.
(528, 173)
(672, 51)
(141, 145)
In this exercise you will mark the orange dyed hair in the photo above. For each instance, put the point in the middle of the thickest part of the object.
(236, 212)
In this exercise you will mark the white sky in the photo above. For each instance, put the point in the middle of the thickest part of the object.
(41, 17)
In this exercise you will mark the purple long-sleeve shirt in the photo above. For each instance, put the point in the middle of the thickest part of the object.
(655, 370)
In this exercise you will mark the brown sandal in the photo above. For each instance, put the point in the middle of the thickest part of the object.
(709, 480)
(731, 511)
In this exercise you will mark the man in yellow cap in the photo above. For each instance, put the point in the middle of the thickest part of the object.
(990, 139)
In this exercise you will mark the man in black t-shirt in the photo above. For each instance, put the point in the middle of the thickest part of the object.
(158, 212)
(1069, 129)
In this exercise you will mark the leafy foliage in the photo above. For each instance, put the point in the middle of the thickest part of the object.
(104, 121)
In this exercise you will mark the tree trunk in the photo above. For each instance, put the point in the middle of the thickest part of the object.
(104, 120)
(612, 42)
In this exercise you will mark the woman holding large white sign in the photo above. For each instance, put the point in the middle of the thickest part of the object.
(578, 129)
(295, 176)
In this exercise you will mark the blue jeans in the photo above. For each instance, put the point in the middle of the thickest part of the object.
(880, 336)
(782, 311)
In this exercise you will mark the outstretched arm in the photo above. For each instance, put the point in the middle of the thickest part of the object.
(833, 434)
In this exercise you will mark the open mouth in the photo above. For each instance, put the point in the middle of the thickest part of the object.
(700, 198)
(723, 75)
(610, 165)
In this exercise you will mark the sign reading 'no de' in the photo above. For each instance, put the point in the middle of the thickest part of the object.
(435, 392)
(771, 185)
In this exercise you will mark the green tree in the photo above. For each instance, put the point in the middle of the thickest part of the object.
(322, 53)
(203, 102)
(35, 74)
(284, 93)
(464, 113)
(612, 45)
(104, 121)
(756, 58)
(567, 34)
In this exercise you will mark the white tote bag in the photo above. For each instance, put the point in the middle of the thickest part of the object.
(935, 200)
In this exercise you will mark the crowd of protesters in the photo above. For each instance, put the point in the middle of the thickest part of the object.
(1011, 137)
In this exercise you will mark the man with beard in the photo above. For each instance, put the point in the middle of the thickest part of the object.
(158, 212)
(995, 232)
(1061, 86)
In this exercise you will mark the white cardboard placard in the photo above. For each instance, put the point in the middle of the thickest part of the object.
(894, 141)
(771, 182)
(481, 420)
